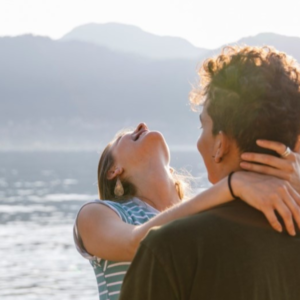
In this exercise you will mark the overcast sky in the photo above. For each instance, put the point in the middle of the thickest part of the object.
(207, 24)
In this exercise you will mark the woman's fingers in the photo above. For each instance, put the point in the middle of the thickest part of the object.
(275, 162)
(265, 159)
(286, 201)
(269, 195)
(287, 217)
(272, 219)
(292, 201)
(264, 169)
(287, 168)
(275, 146)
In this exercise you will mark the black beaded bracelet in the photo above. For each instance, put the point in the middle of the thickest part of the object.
(230, 187)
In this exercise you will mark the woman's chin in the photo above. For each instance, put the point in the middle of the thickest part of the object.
(157, 141)
(154, 136)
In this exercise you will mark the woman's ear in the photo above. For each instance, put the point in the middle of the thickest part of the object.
(114, 172)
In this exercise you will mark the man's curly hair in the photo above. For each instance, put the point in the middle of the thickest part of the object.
(251, 93)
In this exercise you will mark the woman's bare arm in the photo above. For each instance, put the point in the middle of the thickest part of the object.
(105, 235)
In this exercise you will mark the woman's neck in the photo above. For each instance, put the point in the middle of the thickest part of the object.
(157, 188)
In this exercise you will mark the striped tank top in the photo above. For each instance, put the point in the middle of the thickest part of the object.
(110, 274)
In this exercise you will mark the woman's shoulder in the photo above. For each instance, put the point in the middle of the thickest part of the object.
(117, 207)
(133, 211)
(92, 213)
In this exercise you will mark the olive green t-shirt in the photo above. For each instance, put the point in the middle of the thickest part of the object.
(227, 253)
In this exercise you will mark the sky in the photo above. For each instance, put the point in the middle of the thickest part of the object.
(207, 24)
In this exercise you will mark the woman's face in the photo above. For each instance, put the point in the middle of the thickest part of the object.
(140, 149)
(207, 145)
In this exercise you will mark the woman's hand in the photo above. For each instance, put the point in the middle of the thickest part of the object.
(269, 194)
(285, 168)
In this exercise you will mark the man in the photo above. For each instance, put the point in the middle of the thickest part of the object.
(229, 252)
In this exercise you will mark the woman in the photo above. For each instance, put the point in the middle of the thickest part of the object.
(134, 174)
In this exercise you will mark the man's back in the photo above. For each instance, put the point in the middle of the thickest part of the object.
(229, 252)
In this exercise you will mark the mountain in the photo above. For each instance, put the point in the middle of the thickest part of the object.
(74, 94)
(131, 39)
(290, 45)
(79, 92)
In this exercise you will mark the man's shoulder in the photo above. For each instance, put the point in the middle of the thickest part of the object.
(182, 230)
(208, 226)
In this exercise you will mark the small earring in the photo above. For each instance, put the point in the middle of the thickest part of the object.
(119, 190)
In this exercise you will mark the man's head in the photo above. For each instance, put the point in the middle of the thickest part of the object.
(248, 93)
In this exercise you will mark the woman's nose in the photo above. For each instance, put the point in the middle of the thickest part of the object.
(141, 126)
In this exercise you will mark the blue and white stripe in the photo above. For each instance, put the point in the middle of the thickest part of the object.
(110, 274)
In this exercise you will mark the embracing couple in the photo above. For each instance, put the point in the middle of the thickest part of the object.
(239, 239)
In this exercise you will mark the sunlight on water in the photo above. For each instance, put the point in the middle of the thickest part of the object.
(40, 262)
(40, 194)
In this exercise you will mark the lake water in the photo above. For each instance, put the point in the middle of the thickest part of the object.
(40, 194)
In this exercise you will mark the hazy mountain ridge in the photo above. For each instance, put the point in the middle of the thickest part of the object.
(48, 84)
(290, 45)
(83, 74)
(132, 39)
(76, 93)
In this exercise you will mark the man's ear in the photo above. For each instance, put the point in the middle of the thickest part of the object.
(114, 172)
(221, 146)
(297, 146)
